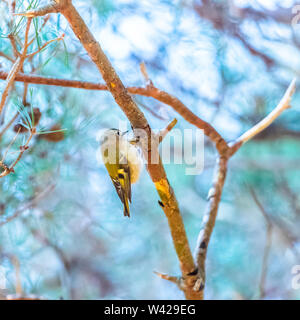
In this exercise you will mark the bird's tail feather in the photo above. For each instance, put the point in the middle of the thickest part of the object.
(124, 179)
(126, 207)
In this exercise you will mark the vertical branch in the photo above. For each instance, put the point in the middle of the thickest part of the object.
(11, 121)
(264, 266)
(16, 264)
(267, 248)
(209, 218)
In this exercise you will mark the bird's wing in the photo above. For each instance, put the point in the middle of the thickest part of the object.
(118, 187)
(122, 183)
(125, 181)
(125, 171)
(118, 183)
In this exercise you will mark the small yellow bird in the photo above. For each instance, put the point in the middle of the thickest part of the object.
(123, 163)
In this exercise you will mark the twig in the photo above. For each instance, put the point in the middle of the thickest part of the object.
(23, 149)
(162, 134)
(149, 91)
(283, 105)
(10, 144)
(153, 112)
(291, 195)
(52, 7)
(267, 248)
(44, 46)
(4, 55)
(8, 169)
(164, 276)
(15, 68)
(14, 45)
(16, 264)
(29, 204)
(34, 79)
(24, 98)
(11, 36)
(11, 121)
(145, 74)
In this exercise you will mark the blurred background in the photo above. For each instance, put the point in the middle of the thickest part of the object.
(62, 230)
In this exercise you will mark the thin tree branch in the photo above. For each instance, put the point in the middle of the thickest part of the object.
(185, 112)
(270, 118)
(8, 169)
(163, 133)
(145, 74)
(209, 218)
(167, 277)
(15, 68)
(11, 36)
(153, 112)
(28, 205)
(11, 121)
(10, 144)
(149, 91)
(34, 79)
(44, 46)
(52, 7)
(14, 45)
(16, 263)
(23, 148)
(4, 55)
(267, 248)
